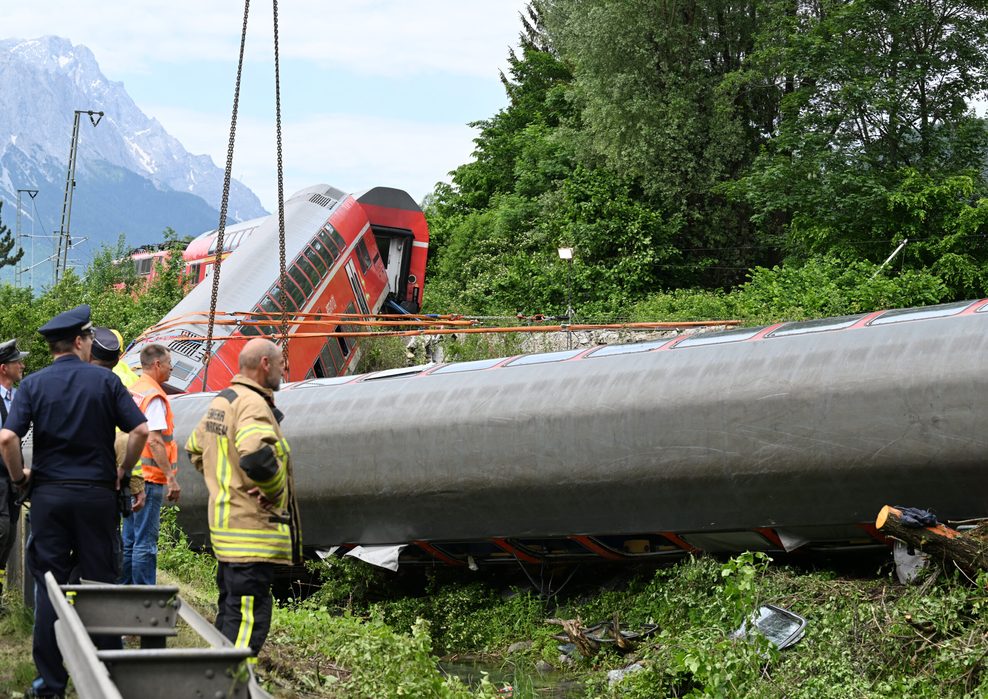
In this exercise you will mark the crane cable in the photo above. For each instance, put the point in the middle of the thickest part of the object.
(225, 201)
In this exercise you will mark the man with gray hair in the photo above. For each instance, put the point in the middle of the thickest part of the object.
(239, 448)
(158, 466)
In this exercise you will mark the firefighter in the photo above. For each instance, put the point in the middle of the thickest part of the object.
(74, 408)
(253, 517)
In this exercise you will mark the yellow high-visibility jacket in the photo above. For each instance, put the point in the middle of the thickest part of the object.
(238, 446)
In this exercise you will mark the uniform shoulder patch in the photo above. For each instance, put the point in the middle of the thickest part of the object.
(229, 394)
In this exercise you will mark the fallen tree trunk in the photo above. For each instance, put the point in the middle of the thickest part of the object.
(576, 633)
(939, 541)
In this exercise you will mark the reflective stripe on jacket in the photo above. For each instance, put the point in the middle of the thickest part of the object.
(238, 446)
(144, 390)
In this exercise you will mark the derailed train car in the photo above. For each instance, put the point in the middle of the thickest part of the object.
(785, 437)
(344, 253)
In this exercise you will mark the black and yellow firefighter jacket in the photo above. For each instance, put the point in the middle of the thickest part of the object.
(238, 446)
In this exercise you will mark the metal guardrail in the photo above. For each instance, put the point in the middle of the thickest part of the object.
(152, 671)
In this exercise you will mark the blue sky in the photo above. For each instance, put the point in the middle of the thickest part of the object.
(374, 92)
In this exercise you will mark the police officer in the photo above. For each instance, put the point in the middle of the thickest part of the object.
(74, 408)
(11, 372)
(107, 348)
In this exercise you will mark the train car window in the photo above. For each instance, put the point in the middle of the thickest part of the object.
(314, 277)
(319, 257)
(816, 326)
(544, 358)
(338, 239)
(363, 255)
(193, 270)
(317, 371)
(297, 294)
(611, 350)
(269, 305)
(326, 239)
(343, 341)
(901, 315)
(400, 373)
(719, 337)
(332, 360)
(281, 298)
(460, 367)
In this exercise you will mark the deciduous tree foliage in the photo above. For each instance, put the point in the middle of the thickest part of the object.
(8, 256)
(118, 299)
(682, 143)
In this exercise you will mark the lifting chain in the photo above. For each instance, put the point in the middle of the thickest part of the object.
(282, 273)
(225, 202)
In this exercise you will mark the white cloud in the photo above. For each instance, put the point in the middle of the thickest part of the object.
(425, 42)
(346, 151)
(382, 37)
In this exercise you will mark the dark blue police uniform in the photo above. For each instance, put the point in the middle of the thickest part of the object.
(9, 509)
(75, 408)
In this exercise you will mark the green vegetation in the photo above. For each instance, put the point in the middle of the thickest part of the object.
(8, 256)
(362, 635)
(704, 158)
(757, 160)
(119, 299)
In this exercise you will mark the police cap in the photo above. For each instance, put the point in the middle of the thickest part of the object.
(9, 352)
(68, 325)
(106, 346)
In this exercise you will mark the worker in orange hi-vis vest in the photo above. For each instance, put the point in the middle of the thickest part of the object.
(158, 466)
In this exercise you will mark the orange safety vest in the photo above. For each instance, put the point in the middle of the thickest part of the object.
(144, 390)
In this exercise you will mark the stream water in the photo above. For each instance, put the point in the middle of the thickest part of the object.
(526, 682)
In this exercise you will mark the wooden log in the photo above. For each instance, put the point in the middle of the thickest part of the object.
(576, 633)
(940, 542)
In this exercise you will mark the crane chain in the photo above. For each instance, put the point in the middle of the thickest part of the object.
(281, 188)
(225, 202)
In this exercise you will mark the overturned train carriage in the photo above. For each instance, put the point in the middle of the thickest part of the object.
(352, 254)
(782, 437)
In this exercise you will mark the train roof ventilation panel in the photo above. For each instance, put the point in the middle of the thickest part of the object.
(323, 200)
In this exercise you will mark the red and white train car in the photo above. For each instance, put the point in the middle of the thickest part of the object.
(344, 254)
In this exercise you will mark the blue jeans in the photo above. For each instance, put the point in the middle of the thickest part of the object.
(140, 539)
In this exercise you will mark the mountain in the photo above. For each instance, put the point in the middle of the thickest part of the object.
(132, 177)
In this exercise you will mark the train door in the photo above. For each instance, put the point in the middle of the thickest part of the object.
(358, 288)
(395, 246)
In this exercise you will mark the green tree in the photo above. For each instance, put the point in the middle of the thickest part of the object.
(874, 94)
(665, 101)
(7, 254)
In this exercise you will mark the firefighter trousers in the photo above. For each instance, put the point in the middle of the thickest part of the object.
(245, 602)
